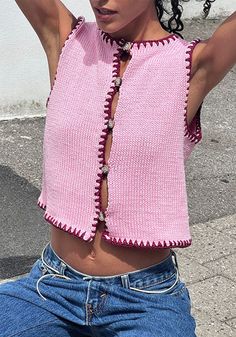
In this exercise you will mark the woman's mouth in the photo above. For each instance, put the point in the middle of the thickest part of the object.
(104, 13)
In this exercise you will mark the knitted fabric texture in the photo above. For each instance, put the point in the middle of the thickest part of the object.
(147, 198)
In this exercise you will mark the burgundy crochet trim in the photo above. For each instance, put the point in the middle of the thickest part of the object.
(195, 136)
(147, 244)
(104, 135)
(41, 205)
(108, 38)
(66, 228)
(114, 241)
(80, 20)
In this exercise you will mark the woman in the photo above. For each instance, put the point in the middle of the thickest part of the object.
(113, 184)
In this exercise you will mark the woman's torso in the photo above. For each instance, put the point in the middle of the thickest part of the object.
(99, 257)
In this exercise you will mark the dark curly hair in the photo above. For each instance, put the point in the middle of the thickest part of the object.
(174, 23)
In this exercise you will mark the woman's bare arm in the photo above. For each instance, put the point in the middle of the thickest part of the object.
(219, 54)
(50, 19)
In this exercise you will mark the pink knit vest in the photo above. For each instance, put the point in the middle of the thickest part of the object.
(147, 198)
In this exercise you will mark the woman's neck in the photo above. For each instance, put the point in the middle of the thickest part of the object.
(144, 27)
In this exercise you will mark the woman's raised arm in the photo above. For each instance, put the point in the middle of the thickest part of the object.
(50, 19)
(219, 54)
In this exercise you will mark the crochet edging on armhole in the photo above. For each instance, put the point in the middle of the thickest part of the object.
(78, 25)
(193, 135)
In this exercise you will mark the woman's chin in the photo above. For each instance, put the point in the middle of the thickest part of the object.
(109, 29)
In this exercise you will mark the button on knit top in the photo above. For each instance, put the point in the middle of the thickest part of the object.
(151, 141)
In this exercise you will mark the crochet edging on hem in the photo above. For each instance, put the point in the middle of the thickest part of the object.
(41, 205)
(147, 244)
(197, 135)
(66, 228)
(113, 240)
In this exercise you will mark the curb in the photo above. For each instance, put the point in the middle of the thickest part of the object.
(13, 278)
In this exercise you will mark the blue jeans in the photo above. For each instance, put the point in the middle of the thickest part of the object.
(55, 300)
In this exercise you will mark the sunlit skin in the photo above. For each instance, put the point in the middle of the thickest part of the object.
(135, 19)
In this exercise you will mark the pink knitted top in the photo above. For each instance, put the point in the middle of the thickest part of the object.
(147, 202)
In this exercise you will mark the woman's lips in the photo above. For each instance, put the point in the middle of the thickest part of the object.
(104, 14)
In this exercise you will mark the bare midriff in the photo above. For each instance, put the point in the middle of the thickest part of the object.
(100, 257)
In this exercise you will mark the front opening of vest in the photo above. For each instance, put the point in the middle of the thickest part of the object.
(145, 172)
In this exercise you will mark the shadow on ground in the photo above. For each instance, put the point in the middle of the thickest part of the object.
(16, 265)
(23, 230)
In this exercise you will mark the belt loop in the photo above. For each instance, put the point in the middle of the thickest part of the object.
(125, 281)
(175, 259)
(43, 251)
(63, 268)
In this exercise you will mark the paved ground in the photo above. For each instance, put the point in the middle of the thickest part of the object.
(207, 267)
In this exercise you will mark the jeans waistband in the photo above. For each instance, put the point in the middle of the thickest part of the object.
(53, 261)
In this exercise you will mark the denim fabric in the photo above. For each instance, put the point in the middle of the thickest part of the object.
(56, 300)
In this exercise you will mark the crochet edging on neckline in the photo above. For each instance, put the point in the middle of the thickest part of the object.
(109, 39)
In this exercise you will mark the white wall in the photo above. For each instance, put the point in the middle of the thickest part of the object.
(24, 78)
(219, 8)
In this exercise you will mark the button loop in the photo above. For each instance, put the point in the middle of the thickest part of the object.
(101, 216)
(125, 50)
(127, 46)
(118, 82)
(105, 169)
(111, 124)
